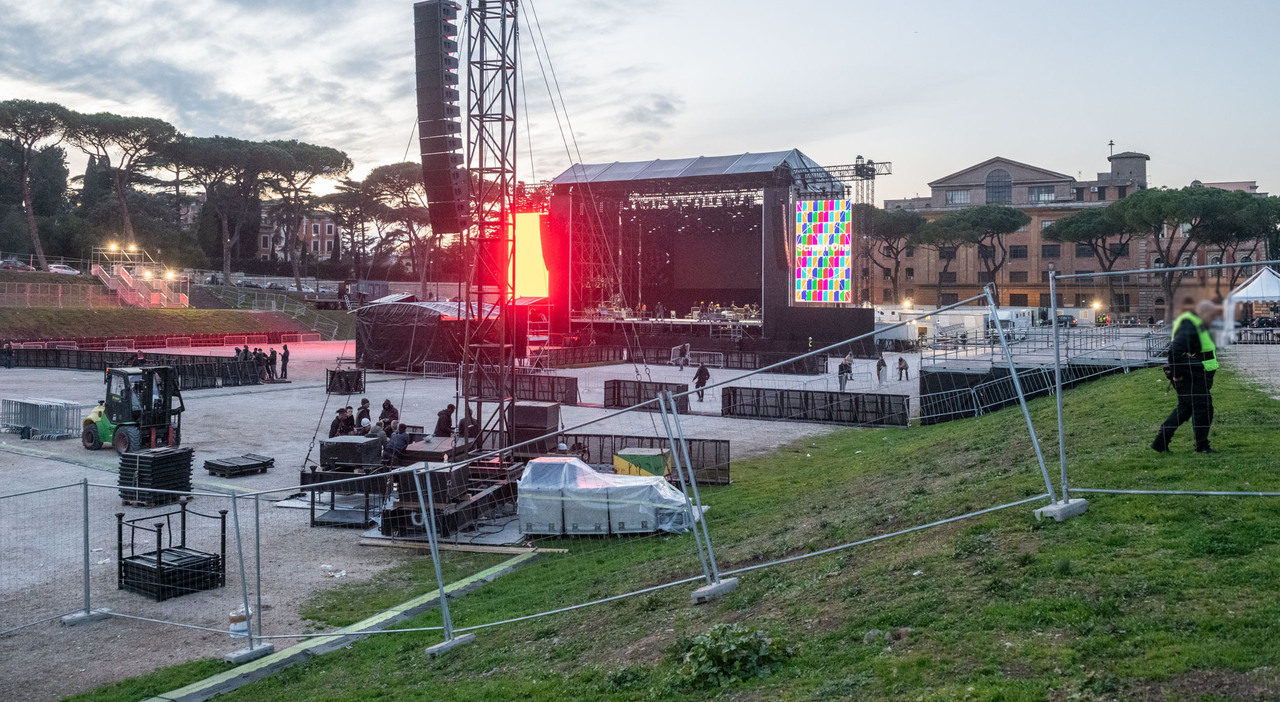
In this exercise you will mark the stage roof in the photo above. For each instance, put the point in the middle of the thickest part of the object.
(747, 164)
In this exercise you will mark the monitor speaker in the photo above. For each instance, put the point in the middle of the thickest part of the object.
(447, 186)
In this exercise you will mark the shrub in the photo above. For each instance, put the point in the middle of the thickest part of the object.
(729, 653)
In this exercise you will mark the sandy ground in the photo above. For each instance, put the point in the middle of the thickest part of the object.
(41, 558)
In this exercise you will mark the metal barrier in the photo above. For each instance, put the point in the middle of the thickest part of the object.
(626, 393)
(41, 418)
(848, 408)
(709, 458)
(194, 372)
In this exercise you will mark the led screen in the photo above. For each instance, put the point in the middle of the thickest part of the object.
(824, 250)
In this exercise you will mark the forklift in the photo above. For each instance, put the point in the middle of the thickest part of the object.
(143, 409)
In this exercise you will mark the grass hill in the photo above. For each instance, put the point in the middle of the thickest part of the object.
(1144, 597)
(52, 323)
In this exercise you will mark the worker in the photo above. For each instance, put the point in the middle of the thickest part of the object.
(396, 445)
(389, 411)
(845, 370)
(376, 432)
(1193, 361)
(881, 367)
(349, 421)
(700, 379)
(444, 422)
(363, 413)
(335, 427)
(284, 363)
(904, 369)
(8, 355)
(271, 364)
(469, 428)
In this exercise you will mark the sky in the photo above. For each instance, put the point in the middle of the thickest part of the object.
(931, 86)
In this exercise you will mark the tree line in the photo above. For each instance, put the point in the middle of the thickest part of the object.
(1232, 226)
(142, 172)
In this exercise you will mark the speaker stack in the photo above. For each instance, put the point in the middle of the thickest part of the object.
(448, 188)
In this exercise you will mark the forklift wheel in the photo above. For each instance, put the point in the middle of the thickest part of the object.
(127, 439)
(90, 437)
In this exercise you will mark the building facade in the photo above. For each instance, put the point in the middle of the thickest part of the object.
(944, 276)
(319, 234)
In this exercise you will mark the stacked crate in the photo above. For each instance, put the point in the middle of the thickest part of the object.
(167, 468)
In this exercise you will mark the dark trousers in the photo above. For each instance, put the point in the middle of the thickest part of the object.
(699, 385)
(284, 369)
(1195, 403)
(903, 374)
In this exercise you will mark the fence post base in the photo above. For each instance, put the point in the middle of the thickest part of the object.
(1061, 511)
(245, 655)
(710, 592)
(95, 615)
(445, 646)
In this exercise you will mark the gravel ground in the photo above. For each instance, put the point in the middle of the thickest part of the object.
(40, 535)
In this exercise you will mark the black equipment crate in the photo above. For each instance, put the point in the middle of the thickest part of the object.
(180, 571)
(173, 570)
(530, 414)
(234, 466)
(351, 451)
(626, 393)
(449, 482)
(344, 382)
(166, 468)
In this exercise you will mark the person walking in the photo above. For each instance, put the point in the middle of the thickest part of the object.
(700, 378)
(845, 370)
(904, 369)
(284, 363)
(1193, 361)
(881, 367)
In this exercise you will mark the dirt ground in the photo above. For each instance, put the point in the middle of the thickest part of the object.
(41, 558)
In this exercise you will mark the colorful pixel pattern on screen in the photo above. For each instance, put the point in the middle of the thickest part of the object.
(824, 250)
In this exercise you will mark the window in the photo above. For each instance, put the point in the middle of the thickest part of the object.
(1046, 223)
(1188, 261)
(328, 229)
(1120, 302)
(328, 246)
(986, 277)
(315, 245)
(1045, 300)
(1018, 251)
(999, 187)
(1024, 227)
(1102, 193)
(1121, 191)
(1040, 193)
(946, 253)
(315, 229)
(1044, 276)
(266, 242)
(886, 275)
(957, 197)
(1245, 270)
(887, 295)
(866, 272)
(1157, 262)
(1079, 194)
(1085, 273)
(1018, 300)
(1084, 251)
(987, 252)
(1017, 276)
(886, 251)
(911, 293)
(1083, 300)
(1118, 250)
(910, 251)
(1051, 251)
(948, 277)
(948, 298)
(911, 274)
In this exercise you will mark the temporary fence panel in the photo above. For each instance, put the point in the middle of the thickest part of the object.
(41, 418)
(854, 409)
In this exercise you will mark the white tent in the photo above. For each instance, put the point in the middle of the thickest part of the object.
(1263, 286)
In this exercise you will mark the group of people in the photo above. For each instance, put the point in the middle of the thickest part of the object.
(393, 436)
(845, 370)
(265, 362)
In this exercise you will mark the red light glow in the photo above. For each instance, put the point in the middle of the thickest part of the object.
(530, 269)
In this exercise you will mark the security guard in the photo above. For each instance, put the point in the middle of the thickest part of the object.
(1193, 361)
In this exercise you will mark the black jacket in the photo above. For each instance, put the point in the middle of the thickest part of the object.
(1184, 350)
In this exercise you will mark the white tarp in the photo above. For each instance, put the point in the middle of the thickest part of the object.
(563, 495)
(1263, 286)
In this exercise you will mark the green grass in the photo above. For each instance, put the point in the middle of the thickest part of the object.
(46, 323)
(150, 685)
(1143, 597)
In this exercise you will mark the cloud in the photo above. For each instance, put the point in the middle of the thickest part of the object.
(653, 111)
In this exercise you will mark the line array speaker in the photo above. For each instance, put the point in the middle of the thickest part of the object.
(447, 186)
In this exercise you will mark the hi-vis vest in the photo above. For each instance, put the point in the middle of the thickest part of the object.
(1208, 352)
